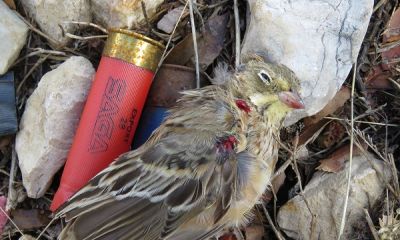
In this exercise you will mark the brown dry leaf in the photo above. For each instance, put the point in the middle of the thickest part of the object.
(27, 219)
(278, 181)
(11, 4)
(378, 78)
(338, 101)
(392, 32)
(210, 43)
(311, 131)
(332, 134)
(3, 217)
(5, 141)
(336, 162)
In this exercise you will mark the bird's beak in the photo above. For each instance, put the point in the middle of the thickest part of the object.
(291, 99)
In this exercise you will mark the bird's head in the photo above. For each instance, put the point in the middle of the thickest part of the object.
(272, 88)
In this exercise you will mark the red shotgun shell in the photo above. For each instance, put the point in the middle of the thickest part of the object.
(112, 109)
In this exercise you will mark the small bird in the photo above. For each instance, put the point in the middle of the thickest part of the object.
(202, 170)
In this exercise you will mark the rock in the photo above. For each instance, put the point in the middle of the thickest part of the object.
(122, 13)
(49, 122)
(27, 237)
(319, 40)
(51, 15)
(325, 195)
(13, 32)
(168, 22)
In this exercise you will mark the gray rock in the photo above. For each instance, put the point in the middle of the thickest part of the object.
(325, 195)
(122, 13)
(13, 32)
(49, 122)
(51, 14)
(319, 40)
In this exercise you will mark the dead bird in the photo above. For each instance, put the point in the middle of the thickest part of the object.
(202, 170)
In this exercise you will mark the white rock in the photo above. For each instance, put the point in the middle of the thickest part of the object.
(13, 32)
(122, 13)
(319, 40)
(169, 20)
(49, 122)
(325, 195)
(51, 14)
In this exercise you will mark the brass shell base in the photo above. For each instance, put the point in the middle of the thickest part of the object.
(133, 48)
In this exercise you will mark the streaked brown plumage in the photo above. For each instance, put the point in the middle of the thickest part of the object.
(202, 170)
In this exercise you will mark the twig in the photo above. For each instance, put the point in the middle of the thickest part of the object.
(89, 24)
(296, 170)
(11, 221)
(237, 34)
(194, 36)
(269, 219)
(31, 27)
(358, 121)
(146, 17)
(39, 51)
(44, 230)
(4, 172)
(378, 5)
(70, 35)
(394, 173)
(371, 225)
(37, 64)
(238, 233)
(13, 172)
(170, 37)
(346, 202)
(396, 84)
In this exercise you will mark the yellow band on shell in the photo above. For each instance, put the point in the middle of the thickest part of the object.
(133, 48)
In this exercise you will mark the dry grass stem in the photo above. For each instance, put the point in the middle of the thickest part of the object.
(13, 172)
(194, 36)
(36, 30)
(104, 30)
(11, 221)
(37, 64)
(85, 38)
(366, 122)
(271, 223)
(166, 51)
(346, 201)
(237, 33)
(371, 225)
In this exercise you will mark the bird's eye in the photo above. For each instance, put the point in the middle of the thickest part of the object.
(265, 77)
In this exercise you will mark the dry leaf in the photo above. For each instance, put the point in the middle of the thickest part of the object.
(210, 43)
(11, 4)
(27, 219)
(331, 135)
(278, 181)
(378, 78)
(337, 102)
(3, 217)
(336, 162)
(169, 20)
(392, 32)
(311, 132)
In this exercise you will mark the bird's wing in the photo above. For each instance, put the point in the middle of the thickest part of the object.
(147, 194)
